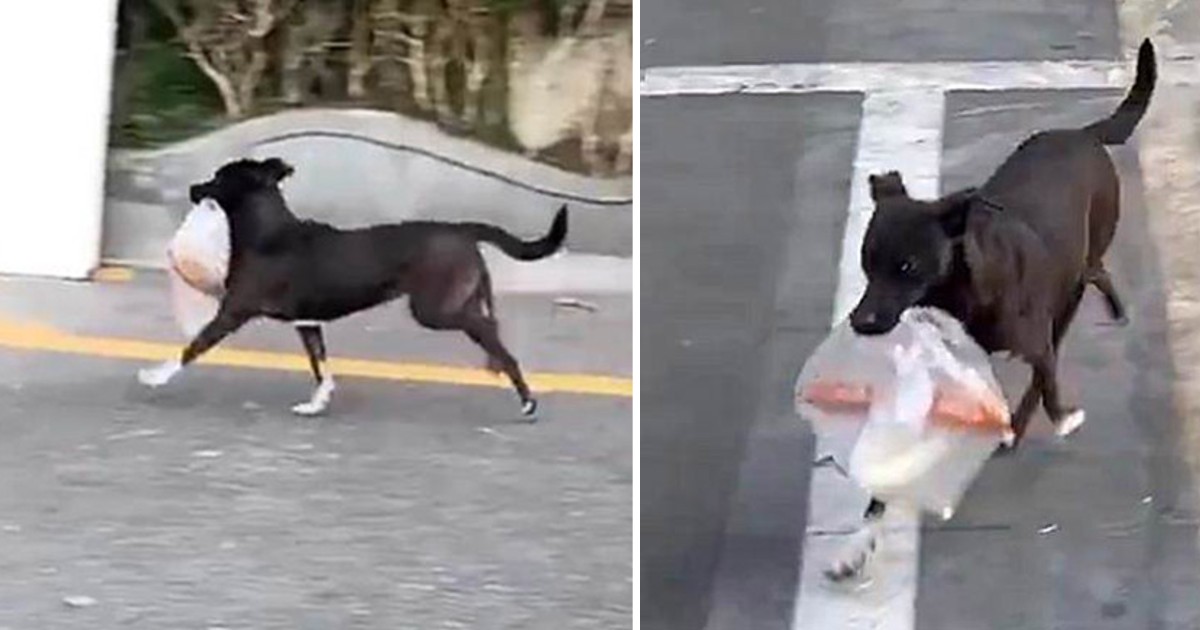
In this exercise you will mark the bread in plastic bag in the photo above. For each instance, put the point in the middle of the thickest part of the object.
(198, 257)
(911, 415)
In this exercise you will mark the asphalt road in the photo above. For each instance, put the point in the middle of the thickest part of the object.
(743, 200)
(208, 505)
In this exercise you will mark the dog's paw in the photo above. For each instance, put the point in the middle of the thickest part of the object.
(854, 557)
(158, 375)
(1118, 322)
(529, 409)
(1006, 446)
(319, 401)
(310, 408)
(1070, 422)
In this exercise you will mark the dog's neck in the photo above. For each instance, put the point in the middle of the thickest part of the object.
(262, 217)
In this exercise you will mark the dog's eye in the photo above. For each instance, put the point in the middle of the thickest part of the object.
(907, 268)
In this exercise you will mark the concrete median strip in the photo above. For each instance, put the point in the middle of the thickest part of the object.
(35, 336)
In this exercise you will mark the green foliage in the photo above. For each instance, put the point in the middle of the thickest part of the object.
(168, 98)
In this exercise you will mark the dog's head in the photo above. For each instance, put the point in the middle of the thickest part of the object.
(233, 182)
(909, 248)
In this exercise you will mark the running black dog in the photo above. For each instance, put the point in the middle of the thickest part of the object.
(1010, 259)
(308, 273)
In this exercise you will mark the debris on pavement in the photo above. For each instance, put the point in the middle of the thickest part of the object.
(1049, 529)
(569, 302)
(79, 601)
(137, 433)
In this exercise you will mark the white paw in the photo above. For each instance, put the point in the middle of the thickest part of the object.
(159, 375)
(309, 408)
(854, 557)
(1070, 423)
(319, 401)
(529, 408)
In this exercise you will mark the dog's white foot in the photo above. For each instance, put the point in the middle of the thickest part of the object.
(159, 375)
(1070, 422)
(855, 556)
(319, 401)
(529, 409)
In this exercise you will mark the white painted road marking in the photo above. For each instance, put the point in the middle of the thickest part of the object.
(1181, 69)
(901, 129)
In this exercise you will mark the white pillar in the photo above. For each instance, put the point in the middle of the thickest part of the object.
(56, 61)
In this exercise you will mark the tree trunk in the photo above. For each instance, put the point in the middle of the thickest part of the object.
(230, 97)
(479, 65)
(291, 72)
(419, 63)
(228, 91)
(438, 62)
(248, 83)
(360, 49)
(590, 24)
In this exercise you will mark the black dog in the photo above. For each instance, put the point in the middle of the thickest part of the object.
(307, 273)
(1010, 259)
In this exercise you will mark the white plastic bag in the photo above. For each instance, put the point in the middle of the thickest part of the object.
(198, 257)
(912, 415)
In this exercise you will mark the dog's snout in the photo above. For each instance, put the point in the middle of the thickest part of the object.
(197, 192)
(869, 322)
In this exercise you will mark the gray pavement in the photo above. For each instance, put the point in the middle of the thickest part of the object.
(756, 289)
(208, 505)
(774, 31)
(734, 278)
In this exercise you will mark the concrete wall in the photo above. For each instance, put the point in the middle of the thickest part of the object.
(356, 167)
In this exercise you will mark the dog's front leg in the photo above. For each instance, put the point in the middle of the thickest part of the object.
(860, 548)
(223, 325)
(314, 345)
(1066, 420)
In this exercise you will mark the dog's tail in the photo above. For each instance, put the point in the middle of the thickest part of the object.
(1117, 128)
(515, 247)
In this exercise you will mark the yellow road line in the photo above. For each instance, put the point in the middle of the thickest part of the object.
(112, 274)
(39, 337)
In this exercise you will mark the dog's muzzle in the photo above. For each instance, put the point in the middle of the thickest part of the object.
(198, 192)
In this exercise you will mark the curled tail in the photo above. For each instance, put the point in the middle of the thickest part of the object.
(1117, 128)
(515, 247)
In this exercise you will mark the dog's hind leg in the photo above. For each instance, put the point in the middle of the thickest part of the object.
(486, 333)
(224, 324)
(488, 307)
(431, 310)
(1100, 278)
(314, 346)
(1065, 421)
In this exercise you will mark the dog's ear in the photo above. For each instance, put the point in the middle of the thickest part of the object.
(275, 170)
(952, 211)
(889, 184)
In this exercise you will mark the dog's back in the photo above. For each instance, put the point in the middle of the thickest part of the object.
(1062, 183)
